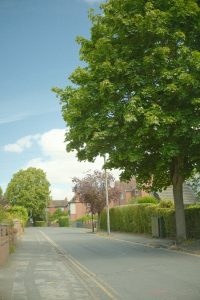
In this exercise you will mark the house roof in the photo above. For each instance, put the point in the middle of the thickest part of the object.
(188, 195)
(58, 203)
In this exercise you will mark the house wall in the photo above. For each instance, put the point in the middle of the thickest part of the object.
(77, 210)
(53, 209)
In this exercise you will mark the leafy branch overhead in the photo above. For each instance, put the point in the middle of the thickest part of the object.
(137, 97)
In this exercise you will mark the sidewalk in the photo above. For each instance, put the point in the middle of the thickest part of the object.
(189, 246)
(37, 271)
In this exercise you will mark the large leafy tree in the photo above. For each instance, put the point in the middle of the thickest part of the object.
(91, 191)
(137, 97)
(29, 188)
(2, 198)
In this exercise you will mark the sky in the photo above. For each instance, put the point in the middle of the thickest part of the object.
(38, 51)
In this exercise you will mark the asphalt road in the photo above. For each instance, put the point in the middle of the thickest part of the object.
(127, 271)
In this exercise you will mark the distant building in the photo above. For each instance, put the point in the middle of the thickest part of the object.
(77, 209)
(55, 204)
(127, 191)
(188, 195)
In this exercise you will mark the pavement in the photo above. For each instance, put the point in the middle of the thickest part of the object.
(38, 271)
(188, 246)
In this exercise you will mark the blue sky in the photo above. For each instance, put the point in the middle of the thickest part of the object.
(38, 51)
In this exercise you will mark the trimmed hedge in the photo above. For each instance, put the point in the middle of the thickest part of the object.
(40, 223)
(137, 219)
(144, 199)
(63, 221)
(192, 218)
(130, 218)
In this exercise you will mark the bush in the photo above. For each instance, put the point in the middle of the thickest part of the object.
(3, 214)
(54, 218)
(18, 212)
(86, 218)
(147, 199)
(40, 223)
(165, 203)
(63, 221)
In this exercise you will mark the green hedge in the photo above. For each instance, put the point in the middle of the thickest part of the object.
(63, 221)
(137, 219)
(192, 218)
(3, 214)
(130, 218)
(40, 223)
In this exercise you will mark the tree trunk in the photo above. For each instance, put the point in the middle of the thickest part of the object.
(98, 222)
(177, 180)
(92, 223)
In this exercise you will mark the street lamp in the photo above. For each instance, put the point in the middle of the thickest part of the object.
(107, 202)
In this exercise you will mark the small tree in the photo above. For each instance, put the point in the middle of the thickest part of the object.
(91, 191)
(30, 189)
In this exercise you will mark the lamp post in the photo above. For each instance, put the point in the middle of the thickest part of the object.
(107, 202)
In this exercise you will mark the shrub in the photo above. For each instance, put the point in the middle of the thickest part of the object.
(3, 214)
(166, 203)
(63, 221)
(18, 212)
(57, 214)
(40, 223)
(147, 199)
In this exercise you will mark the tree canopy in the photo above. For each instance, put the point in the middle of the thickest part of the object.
(1, 193)
(137, 97)
(91, 190)
(29, 188)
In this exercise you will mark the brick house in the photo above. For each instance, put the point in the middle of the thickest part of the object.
(55, 204)
(127, 190)
(76, 208)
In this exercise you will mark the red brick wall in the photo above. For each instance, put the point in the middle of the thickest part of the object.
(8, 239)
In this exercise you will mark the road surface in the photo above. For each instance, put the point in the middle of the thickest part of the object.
(131, 271)
(74, 264)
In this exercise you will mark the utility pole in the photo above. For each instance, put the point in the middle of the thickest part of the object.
(107, 202)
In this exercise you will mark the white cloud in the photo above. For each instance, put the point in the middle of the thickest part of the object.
(60, 193)
(59, 165)
(21, 144)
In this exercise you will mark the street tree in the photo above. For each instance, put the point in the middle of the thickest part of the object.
(3, 201)
(137, 96)
(91, 190)
(1, 192)
(29, 188)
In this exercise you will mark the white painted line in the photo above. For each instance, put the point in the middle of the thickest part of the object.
(81, 268)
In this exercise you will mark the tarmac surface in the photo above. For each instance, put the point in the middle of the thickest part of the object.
(73, 263)
(37, 271)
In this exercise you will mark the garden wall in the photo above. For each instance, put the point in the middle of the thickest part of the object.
(8, 239)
